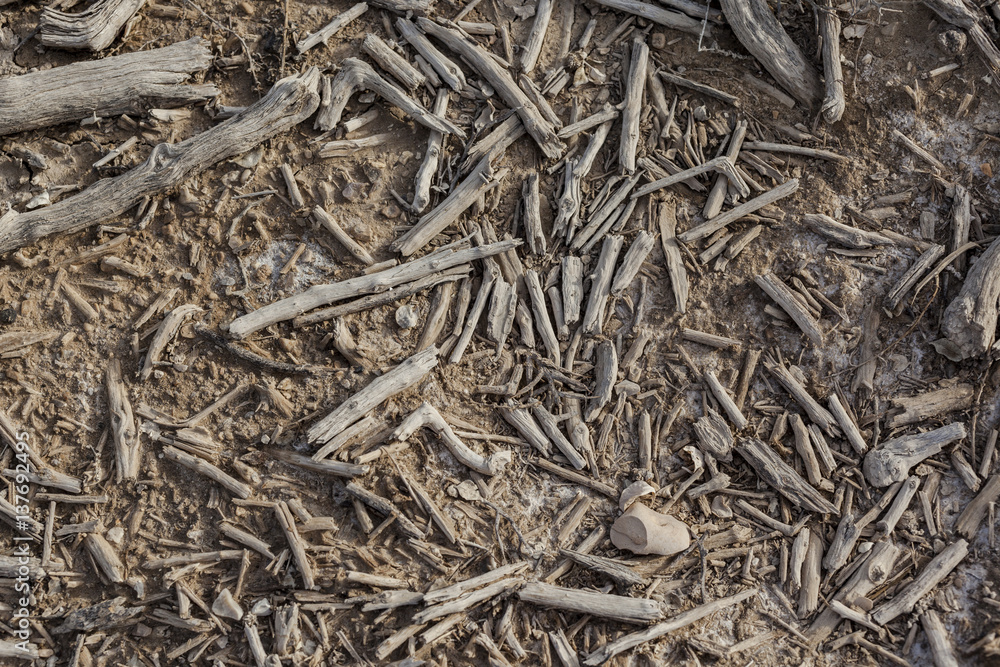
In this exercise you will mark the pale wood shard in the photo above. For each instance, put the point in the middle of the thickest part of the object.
(402, 377)
(491, 275)
(533, 216)
(320, 295)
(804, 447)
(438, 316)
(289, 102)
(834, 102)
(246, 539)
(847, 425)
(970, 320)
(534, 122)
(900, 503)
(664, 17)
(432, 157)
(123, 429)
(845, 235)
(494, 143)
(809, 593)
(295, 542)
(714, 435)
(842, 544)
(203, 467)
(606, 375)
(525, 424)
(13, 342)
(356, 75)
(782, 477)
(721, 164)
(443, 521)
(725, 219)
(533, 45)
(891, 461)
(572, 288)
(759, 31)
(939, 639)
(923, 263)
(600, 285)
(467, 600)
(143, 80)
(795, 149)
(93, 29)
(322, 466)
(427, 416)
(717, 195)
(932, 404)
(449, 72)
(541, 313)
(667, 218)
(632, 110)
(604, 605)
(637, 253)
(105, 557)
(482, 179)
(500, 317)
(699, 87)
(775, 288)
(932, 574)
(550, 425)
(323, 35)
(348, 147)
(571, 199)
(726, 401)
(968, 522)
(164, 333)
(601, 220)
(353, 247)
(682, 620)
(392, 62)
(607, 114)
(919, 151)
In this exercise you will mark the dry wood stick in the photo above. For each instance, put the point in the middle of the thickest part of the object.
(817, 413)
(783, 296)
(939, 639)
(246, 539)
(809, 593)
(323, 466)
(533, 46)
(932, 404)
(105, 557)
(667, 218)
(932, 574)
(726, 401)
(568, 213)
(891, 460)
(717, 195)
(424, 499)
(829, 31)
(852, 237)
(203, 467)
(664, 17)
(432, 157)
(427, 416)
(467, 600)
(967, 524)
(632, 110)
(93, 29)
(615, 607)
(699, 87)
(503, 308)
(491, 275)
(289, 102)
(536, 125)
(123, 430)
(725, 219)
(606, 375)
(353, 247)
(542, 320)
(600, 284)
(795, 150)
(637, 253)
(533, 215)
(782, 477)
(847, 425)
(438, 316)
(449, 72)
(722, 164)
(168, 327)
(323, 35)
(970, 320)
(550, 426)
(295, 543)
(392, 62)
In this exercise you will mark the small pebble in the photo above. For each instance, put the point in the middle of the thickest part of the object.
(406, 317)
(7, 316)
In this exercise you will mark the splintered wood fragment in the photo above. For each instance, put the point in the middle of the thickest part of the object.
(427, 416)
(386, 508)
(424, 499)
(533, 46)
(852, 237)
(323, 35)
(900, 503)
(295, 543)
(550, 425)
(747, 371)
(355, 75)
(605, 605)
(970, 320)
(714, 435)
(352, 246)
(600, 284)
(348, 147)
(817, 413)
(482, 179)
(432, 157)
(294, 194)
(392, 62)
(246, 539)
(811, 576)
(449, 72)
(438, 316)
(542, 321)
(578, 478)
(568, 212)
(711, 340)
(456, 590)
(932, 404)
(606, 376)
(599, 118)
(491, 275)
(891, 461)
(572, 288)
(939, 639)
(796, 150)
(203, 467)
(324, 466)
(637, 253)
(725, 219)
(759, 31)
(533, 215)
(782, 477)
(601, 220)
(123, 429)
(699, 87)
(721, 164)
(834, 101)
(726, 401)
(468, 600)
(682, 620)
(93, 29)
(632, 109)
(667, 218)
(913, 274)
(321, 295)
(105, 557)
(400, 378)
(932, 574)
(500, 317)
(12, 342)
(803, 445)
(919, 151)
(503, 83)
(842, 544)
(525, 424)
(967, 524)
(168, 327)
(661, 16)
(847, 425)
(289, 102)
(775, 288)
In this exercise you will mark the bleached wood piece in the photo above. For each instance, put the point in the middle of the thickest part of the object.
(795, 149)
(355, 75)
(939, 639)
(782, 477)
(467, 600)
(123, 430)
(721, 164)
(386, 508)
(609, 113)
(700, 87)
(684, 619)
(606, 375)
(967, 524)
(93, 29)
(294, 194)
(600, 221)
(572, 288)
(533, 215)
(816, 412)
(932, 574)
(899, 504)
(348, 147)
(542, 321)
(891, 461)
(323, 35)
(637, 253)
(604, 605)
(432, 157)
(842, 544)
(759, 31)
(767, 520)
(427, 416)
(845, 235)
(811, 579)
(798, 556)
(600, 285)
(500, 318)
(442, 520)
(803, 446)
(550, 425)
(128, 83)
(392, 62)
(501, 80)
(438, 316)
(290, 101)
(491, 274)
(353, 247)
(400, 378)
(635, 84)
(449, 72)
(667, 218)
(168, 327)
(296, 544)
(847, 425)
(323, 466)
(203, 467)
(105, 557)
(782, 295)
(717, 195)
(568, 212)
(321, 295)
(533, 46)
(726, 401)
(246, 539)
(714, 435)
(834, 102)
(913, 274)
(725, 219)
(932, 404)
(664, 17)
(970, 320)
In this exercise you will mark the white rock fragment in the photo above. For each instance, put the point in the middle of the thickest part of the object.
(226, 606)
(633, 492)
(642, 530)
(116, 535)
(406, 317)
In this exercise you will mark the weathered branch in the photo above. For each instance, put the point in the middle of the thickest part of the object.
(970, 320)
(92, 29)
(427, 415)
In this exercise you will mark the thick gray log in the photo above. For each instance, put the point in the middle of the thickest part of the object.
(93, 29)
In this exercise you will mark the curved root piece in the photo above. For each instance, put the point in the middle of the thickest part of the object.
(93, 29)
(168, 327)
(355, 75)
(427, 415)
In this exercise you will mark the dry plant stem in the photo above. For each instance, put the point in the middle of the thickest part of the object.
(816, 412)
(637, 253)
(847, 425)
(498, 77)
(203, 467)
(722, 164)
(105, 557)
(468, 600)
(726, 401)
(355, 75)
(353, 247)
(289, 102)
(533, 46)
(667, 217)
(834, 102)
(550, 425)
(423, 498)
(568, 213)
(899, 505)
(542, 321)
(842, 544)
(323, 35)
(809, 593)
(168, 327)
(912, 275)
(599, 118)
(725, 219)
(495, 143)
(438, 316)
(632, 109)
(700, 87)
(392, 62)
(572, 288)
(533, 215)
(407, 374)
(491, 274)
(296, 544)
(970, 320)
(500, 317)
(246, 539)
(684, 619)
(427, 416)
(600, 285)
(939, 639)
(845, 235)
(321, 295)
(468, 192)
(717, 196)
(449, 72)
(604, 605)
(432, 157)
(759, 31)
(128, 83)
(93, 29)
(323, 466)
(795, 149)
(123, 430)
(932, 574)
(783, 296)
(968, 522)
(780, 476)
(664, 17)
(891, 461)
(922, 407)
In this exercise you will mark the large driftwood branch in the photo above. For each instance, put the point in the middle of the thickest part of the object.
(759, 31)
(289, 102)
(92, 29)
(534, 122)
(970, 321)
(106, 87)
(355, 75)
(321, 295)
